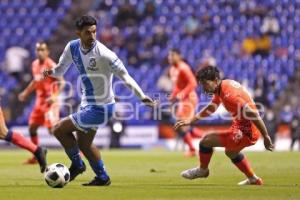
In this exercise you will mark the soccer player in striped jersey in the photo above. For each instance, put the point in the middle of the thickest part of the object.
(96, 65)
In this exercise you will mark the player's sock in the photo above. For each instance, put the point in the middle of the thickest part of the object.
(19, 140)
(34, 139)
(74, 155)
(99, 169)
(243, 165)
(205, 154)
(188, 139)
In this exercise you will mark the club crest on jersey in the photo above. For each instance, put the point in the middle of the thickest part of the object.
(92, 64)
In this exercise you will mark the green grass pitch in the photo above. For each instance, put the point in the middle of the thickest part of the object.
(132, 178)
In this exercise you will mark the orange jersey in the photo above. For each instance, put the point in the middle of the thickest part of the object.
(183, 80)
(234, 97)
(44, 87)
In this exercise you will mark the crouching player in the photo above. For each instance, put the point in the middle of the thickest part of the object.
(246, 127)
(19, 140)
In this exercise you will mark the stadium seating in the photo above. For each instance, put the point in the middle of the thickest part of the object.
(23, 23)
(229, 28)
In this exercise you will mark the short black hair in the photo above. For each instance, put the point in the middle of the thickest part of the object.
(208, 73)
(85, 20)
(175, 50)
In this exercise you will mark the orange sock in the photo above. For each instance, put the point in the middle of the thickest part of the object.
(243, 165)
(205, 154)
(19, 140)
(188, 139)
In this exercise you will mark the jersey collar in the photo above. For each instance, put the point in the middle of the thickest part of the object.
(86, 51)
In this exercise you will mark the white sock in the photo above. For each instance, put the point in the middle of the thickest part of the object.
(253, 178)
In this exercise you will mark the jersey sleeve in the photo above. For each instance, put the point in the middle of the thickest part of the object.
(64, 63)
(115, 65)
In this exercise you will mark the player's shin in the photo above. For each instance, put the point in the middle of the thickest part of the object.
(19, 140)
(74, 155)
(205, 154)
(241, 162)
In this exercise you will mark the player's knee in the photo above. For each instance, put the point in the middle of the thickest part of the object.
(205, 141)
(57, 130)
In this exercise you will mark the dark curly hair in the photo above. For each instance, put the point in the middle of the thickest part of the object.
(85, 20)
(208, 73)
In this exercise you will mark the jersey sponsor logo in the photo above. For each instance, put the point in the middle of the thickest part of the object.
(237, 136)
(92, 64)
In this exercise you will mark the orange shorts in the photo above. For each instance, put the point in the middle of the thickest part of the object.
(239, 136)
(44, 115)
(186, 108)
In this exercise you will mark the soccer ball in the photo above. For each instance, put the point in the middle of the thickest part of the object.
(57, 175)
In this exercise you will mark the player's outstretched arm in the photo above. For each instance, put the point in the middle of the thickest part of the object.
(205, 112)
(131, 83)
(63, 65)
(27, 91)
(259, 123)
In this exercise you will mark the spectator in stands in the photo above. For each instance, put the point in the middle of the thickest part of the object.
(106, 35)
(206, 24)
(248, 46)
(15, 60)
(257, 45)
(263, 45)
(250, 8)
(191, 25)
(160, 37)
(149, 10)
(270, 26)
(126, 16)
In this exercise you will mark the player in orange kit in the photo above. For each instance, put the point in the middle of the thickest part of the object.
(184, 90)
(46, 109)
(245, 130)
(19, 140)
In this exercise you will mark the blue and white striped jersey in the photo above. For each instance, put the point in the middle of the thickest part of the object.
(96, 67)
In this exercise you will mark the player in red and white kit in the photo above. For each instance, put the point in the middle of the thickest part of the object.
(46, 110)
(184, 91)
(19, 140)
(245, 130)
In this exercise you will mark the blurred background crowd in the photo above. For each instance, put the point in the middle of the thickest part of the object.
(254, 42)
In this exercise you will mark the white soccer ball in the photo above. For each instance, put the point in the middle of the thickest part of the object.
(57, 175)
